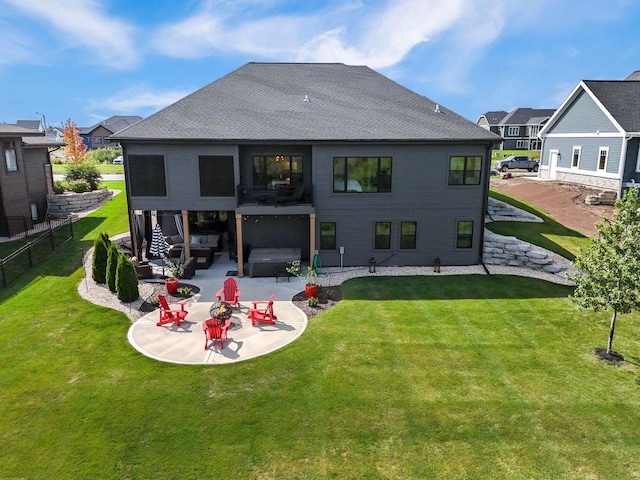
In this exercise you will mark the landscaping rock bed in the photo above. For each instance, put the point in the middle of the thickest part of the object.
(324, 303)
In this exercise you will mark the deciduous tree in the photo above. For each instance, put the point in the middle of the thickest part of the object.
(609, 277)
(76, 150)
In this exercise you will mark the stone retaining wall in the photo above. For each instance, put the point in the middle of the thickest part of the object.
(501, 211)
(63, 204)
(509, 251)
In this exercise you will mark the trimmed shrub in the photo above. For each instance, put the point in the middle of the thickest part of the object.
(126, 280)
(59, 187)
(103, 155)
(112, 266)
(84, 171)
(99, 265)
(78, 186)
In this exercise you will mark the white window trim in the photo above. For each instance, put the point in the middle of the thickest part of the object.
(575, 147)
(638, 162)
(511, 130)
(520, 144)
(606, 159)
(11, 159)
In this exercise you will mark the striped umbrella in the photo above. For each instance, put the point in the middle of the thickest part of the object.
(159, 245)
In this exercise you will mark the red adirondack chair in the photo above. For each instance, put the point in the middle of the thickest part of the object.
(264, 314)
(215, 329)
(173, 312)
(230, 292)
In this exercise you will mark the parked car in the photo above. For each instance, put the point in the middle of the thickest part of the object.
(516, 161)
(119, 160)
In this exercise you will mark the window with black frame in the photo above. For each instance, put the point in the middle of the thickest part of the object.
(147, 175)
(328, 236)
(465, 234)
(383, 236)
(362, 174)
(408, 235)
(465, 170)
(273, 171)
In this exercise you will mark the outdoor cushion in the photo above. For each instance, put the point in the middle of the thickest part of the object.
(196, 240)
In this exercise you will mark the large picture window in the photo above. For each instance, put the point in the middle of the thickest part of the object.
(327, 236)
(147, 177)
(216, 176)
(383, 236)
(272, 171)
(465, 170)
(408, 235)
(465, 235)
(362, 174)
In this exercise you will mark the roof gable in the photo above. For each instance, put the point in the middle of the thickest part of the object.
(527, 116)
(299, 101)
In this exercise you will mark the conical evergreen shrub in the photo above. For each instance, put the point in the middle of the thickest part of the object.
(126, 280)
(99, 264)
(112, 266)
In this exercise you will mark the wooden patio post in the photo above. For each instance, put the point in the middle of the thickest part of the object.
(185, 232)
(312, 237)
(239, 251)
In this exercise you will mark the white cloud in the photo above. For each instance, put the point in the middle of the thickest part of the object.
(86, 23)
(137, 100)
(15, 46)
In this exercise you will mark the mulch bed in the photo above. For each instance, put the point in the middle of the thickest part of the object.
(324, 303)
(612, 356)
(159, 288)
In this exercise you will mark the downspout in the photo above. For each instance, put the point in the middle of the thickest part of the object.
(485, 200)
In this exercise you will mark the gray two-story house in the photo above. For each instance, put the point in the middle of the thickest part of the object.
(593, 138)
(322, 157)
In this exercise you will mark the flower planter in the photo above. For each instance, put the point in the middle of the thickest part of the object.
(172, 285)
(311, 290)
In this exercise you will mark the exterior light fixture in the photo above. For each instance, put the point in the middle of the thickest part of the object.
(372, 265)
(436, 265)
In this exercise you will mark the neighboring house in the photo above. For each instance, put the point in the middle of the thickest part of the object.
(519, 128)
(593, 137)
(323, 157)
(97, 136)
(491, 121)
(25, 177)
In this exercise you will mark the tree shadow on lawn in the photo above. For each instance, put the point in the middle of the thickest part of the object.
(452, 287)
(536, 233)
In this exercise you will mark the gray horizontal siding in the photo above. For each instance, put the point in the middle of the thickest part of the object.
(582, 116)
(420, 193)
(590, 150)
(183, 177)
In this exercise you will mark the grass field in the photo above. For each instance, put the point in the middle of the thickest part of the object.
(469, 377)
(102, 168)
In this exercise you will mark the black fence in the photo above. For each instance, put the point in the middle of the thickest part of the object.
(39, 246)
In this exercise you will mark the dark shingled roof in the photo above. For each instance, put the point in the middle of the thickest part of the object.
(527, 116)
(495, 117)
(621, 98)
(305, 102)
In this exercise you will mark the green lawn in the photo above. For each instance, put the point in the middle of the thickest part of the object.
(469, 377)
(102, 168)
(550, 234)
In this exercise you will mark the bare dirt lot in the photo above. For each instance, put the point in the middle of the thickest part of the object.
(563, 201)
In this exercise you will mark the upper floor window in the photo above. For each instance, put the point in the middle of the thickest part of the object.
(362, 174)
(146, 175)
(513, 131)
(10, 156)
(383, 235)
(575, 157)
(603, 155)
(408, 235)
(97, 139)
(272, 171)
(465, 170)
(465, 235)
(328, 236)
(216, 176)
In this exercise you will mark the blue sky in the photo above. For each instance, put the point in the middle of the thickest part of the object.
(90, 59)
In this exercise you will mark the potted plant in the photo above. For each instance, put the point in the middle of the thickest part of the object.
(176, 270)
(310, 278)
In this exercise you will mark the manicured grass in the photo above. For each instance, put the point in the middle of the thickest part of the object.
(465, 377)
(550, 234)
(102, 168)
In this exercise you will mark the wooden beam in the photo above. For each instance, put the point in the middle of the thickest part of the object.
(312, 236)
(186, 237)
(239, 251)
